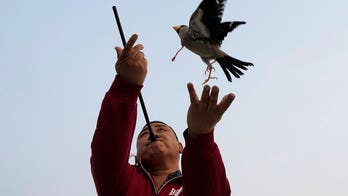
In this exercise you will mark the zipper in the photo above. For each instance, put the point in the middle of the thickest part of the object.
(163, 185)
(149, 176)
(153, 183)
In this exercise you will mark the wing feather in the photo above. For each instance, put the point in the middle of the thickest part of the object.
(206, 19)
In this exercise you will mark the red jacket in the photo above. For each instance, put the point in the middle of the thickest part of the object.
(203, 172)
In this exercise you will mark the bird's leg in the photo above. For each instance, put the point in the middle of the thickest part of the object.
(209, 69)
(182, 46)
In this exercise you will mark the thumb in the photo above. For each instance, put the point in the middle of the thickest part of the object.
(118, 51)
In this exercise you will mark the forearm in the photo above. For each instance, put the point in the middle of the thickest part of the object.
(203, 169)
(114, 132)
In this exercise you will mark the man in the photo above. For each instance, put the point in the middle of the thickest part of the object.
(156, 171)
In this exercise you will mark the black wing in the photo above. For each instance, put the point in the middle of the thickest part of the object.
(207, 18)
(205, 22)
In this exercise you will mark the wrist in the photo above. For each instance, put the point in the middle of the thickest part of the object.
(192, 134)
(124, 90)
(195, 133)
(205, 140)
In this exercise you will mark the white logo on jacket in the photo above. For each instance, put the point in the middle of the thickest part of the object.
(175, 192)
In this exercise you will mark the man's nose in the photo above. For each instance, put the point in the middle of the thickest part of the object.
(154, 133)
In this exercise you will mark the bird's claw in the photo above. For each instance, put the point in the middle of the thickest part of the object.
(209, 70)
(207, 80)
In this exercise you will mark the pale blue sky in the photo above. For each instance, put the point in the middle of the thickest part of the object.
(285, 133)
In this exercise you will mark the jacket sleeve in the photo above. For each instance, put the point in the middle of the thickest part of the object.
(202, 167)
(113, 136)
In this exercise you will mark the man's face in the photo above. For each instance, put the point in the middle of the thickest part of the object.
(166, 143)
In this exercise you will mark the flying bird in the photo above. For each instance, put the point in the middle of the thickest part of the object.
(204, 36)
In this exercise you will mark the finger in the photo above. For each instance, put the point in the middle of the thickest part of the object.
(144, 61)
(118, 51)
(139, 54)
(214, 96)
(205, 93)
(138, 48)
(137, 51)
(192, 93)
(140, 58)
(225, 103)
(130, 43)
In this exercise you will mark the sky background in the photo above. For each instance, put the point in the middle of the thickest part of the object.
(285, 133)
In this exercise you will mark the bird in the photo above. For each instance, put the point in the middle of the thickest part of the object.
(204, 37)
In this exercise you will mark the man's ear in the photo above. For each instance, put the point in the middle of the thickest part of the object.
(180, 146)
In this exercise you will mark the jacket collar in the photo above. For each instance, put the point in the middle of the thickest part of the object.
(175, 175)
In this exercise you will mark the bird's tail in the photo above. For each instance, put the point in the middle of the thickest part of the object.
(230, 64)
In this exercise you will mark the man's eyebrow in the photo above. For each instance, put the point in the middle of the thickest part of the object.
(160, 125)
(146, 129)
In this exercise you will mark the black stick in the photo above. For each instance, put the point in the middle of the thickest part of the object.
(152, 135)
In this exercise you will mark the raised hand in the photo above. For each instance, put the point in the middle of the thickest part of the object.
(131, 64)
(203, 114)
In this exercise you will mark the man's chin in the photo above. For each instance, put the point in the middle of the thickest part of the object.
(152, 155)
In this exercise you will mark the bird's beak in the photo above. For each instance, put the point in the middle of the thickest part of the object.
(176, 28)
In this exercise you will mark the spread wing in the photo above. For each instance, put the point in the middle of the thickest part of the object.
(205, 22)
